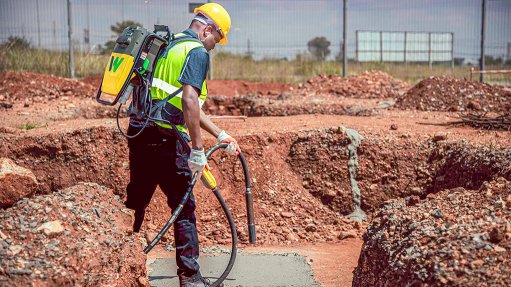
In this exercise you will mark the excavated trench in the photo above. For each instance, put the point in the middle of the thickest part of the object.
(349, 173)
(308, 186)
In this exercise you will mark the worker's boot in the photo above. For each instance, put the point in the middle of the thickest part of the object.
(139, 218)
(195, 281)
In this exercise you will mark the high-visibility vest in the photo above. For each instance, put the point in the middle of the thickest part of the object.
(165, 80)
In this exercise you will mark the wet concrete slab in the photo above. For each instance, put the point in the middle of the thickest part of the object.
(250, 270)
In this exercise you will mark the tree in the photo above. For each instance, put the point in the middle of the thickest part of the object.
(117, 30)
(16, 43)
(490, 60)
(318, 47)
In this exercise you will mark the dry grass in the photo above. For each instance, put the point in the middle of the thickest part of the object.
(229, 66)
(51, 62)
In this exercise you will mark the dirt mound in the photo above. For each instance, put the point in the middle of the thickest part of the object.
(238, 87)
(74, 237)
(227, 88)
(453, 94)
(285, 105)
(94, 81)
(366, 86)
(40, 88)
(456, 237)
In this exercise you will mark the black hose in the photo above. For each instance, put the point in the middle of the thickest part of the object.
(174, 216)
(248, 192)
(146, 112)
(234, 248)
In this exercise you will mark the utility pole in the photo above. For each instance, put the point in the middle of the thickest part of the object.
(122, 10)
(54, 30)
(88, 28)
(70, 36)
(249, 53)
(483, 28)
(344, 40)
(38, 25)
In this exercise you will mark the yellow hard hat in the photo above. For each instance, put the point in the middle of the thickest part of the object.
(219, 15)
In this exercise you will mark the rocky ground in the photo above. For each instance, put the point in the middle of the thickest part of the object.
(452, 94)
(73, 237)
(366, 85)
(300, 167)
(456, 237)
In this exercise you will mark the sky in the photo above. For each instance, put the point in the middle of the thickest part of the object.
(272, 28)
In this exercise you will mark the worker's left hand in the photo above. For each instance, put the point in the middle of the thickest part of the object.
(233, 146)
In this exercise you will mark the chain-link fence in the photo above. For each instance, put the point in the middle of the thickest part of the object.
(285, 29)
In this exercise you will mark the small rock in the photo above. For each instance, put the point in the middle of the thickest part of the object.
(286, 214)
(311, 227)
(393, 127)
(143, 282)
(150, 235)
(474, 105)
(476, 263)
(441, 136)
(330, 194)
(15, 249)
(291, 237)
(16, 182)
(412, 200)
(437, 213)
(2, 235)
(51, 228)
(499, 249)
(496, 235)
(347, 234)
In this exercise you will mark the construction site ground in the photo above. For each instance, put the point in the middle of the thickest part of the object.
(296, 142)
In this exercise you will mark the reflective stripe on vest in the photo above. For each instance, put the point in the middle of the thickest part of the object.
(167, 72)
(169, 89)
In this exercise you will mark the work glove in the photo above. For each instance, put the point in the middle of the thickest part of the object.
(197, 161)
(233, 146)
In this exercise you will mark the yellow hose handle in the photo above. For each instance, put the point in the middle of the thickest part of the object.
(207, 178)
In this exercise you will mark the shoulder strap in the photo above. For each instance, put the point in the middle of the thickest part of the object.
(179, 39)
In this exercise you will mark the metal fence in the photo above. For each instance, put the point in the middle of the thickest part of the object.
(279, 29)
(392, 46)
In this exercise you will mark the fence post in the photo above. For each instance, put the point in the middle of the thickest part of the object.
(404, 55)
(345, 40)
(38, 25)
(452, 52)
(483, 28)
(381, 46)
(356, 47)
(430, 60)
(70, 36)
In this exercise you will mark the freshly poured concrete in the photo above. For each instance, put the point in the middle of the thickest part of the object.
(250, 270)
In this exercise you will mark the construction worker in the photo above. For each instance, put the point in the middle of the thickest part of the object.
(156, 156)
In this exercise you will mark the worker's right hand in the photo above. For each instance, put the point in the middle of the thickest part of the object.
(197, 161)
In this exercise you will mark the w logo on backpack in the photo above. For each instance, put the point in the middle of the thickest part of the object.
(115, 62)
